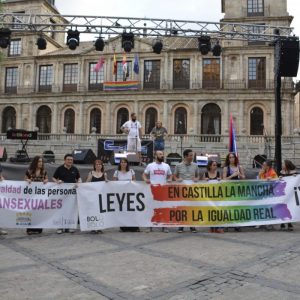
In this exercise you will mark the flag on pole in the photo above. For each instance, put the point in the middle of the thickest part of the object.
(136, 67)
(115, 65)
(124, 64)
(232, 139)
(99, 64)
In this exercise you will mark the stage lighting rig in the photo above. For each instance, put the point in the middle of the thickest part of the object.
(73, 39)
(127, 41)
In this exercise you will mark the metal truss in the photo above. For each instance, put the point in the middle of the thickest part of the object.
(113, 26)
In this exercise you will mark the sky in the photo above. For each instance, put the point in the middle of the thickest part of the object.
(161, 9)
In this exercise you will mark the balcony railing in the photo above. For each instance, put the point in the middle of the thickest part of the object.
(268, 85)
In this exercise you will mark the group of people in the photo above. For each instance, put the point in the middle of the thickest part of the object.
(157, 172)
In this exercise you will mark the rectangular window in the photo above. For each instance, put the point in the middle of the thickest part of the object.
(181, 74)
(255, 38)
(96, 79)
(70, 77)
(11, 80)
(124, 73)
(152, 74)
(17, 20)
(45, 79)
(257, 72)
(14, 48)
(211, 73)
(255, 8)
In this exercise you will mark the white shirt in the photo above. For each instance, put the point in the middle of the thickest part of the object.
(158, 172)
(133, 128)
(124, 176)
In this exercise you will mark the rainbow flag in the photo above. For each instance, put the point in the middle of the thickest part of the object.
(121, 86)
(232, 141)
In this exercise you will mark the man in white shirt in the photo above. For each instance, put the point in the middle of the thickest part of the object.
(158, 172)
(133, 130)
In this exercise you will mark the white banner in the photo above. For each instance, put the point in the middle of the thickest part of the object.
(204, 204)
(37, 205)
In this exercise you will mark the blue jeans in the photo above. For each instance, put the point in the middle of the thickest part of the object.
(159, 145)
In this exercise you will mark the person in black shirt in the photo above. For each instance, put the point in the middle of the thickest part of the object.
(66, 173)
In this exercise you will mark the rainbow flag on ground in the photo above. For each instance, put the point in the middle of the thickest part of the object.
(121, 86)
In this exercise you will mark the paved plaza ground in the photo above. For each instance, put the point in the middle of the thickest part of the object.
(252, 264)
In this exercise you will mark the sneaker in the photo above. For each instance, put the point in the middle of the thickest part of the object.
(180, 230)
(282, 226)
(219, 230)
(59, 231)
(165, 230)
(3, 232)
(290, 227)
(193, 230)
(148, 230)
(72, 230)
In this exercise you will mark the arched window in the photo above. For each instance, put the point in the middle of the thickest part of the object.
(8, 118)
(256, 121)
(150, 119)
(69, 120)
(95, 120)
(180, 120)
(122, 117)
(43, 119)
(211, 119)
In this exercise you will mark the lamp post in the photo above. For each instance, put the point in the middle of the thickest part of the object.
(278, 118)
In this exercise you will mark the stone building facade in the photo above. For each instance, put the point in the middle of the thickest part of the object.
(57, 91)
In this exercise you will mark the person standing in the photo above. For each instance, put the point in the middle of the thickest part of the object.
(66, 173)
(267, 172)
(233, 171)
(134, 133)
(125, 174)
(97, 174)
(158, 172)
(187, 172)
(2, 232)
(212, 173)
(36, 173)
(288, 169)
(159, 133)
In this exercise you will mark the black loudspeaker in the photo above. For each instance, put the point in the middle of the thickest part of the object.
(84, 156)
(3, 154)
(289, 57)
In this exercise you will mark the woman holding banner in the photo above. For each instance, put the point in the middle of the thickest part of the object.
(288, 169)
(123, 173)
(97, 174)
(36, 173)
(233, 171)
(212, 173)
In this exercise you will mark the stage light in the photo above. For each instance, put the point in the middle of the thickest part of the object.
(217, 49)
(5, 34)
(99, 44)
(157, 46)
(204, 44)
(73, 39)
(127, 41)
(41, 43)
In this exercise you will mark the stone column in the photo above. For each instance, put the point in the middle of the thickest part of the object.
(109, 128)
(54, 118)
(195, 119)
(80, 118)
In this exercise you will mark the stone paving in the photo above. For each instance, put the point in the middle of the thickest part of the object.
(252, 264)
